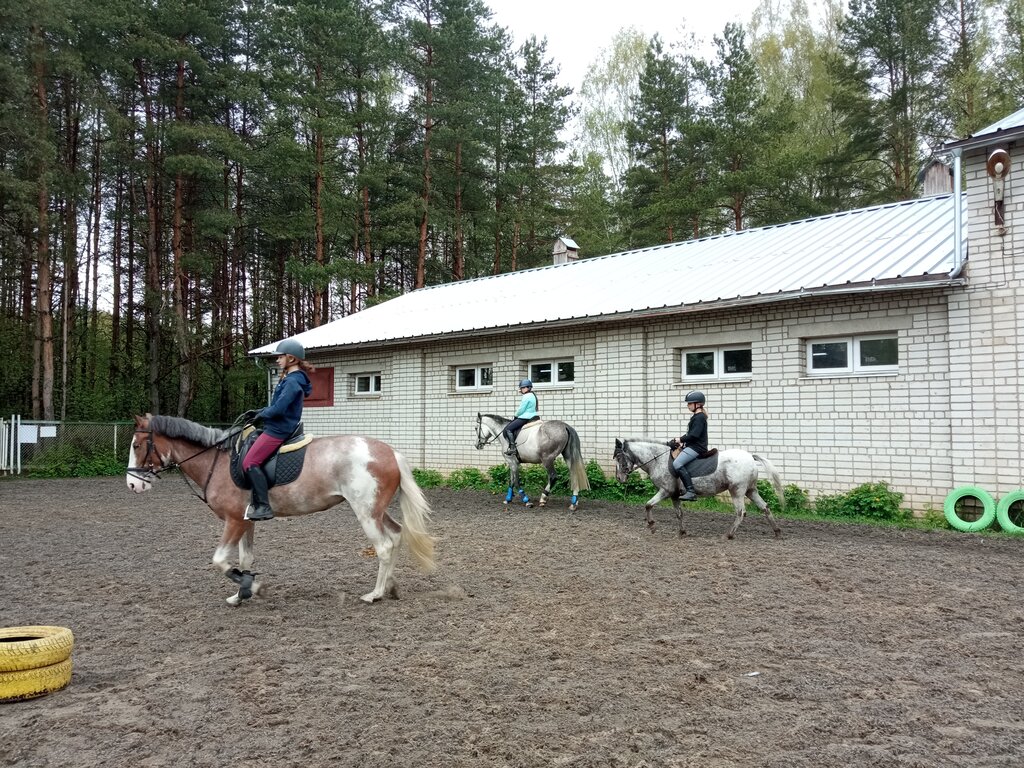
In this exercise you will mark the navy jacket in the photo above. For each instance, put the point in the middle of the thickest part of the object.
(284, 413)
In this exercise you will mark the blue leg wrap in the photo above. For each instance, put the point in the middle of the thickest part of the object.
(526, 499)
(508, 496)
(574, 498)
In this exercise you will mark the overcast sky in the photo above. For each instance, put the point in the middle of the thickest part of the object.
(577, 31)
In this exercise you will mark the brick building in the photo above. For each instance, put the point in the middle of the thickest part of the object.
(880, 344)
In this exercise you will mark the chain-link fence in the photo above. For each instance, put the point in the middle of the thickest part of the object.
(55, 448)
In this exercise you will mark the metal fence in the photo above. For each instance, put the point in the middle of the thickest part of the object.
(25, 443)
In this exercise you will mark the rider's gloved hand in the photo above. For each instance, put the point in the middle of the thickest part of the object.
(250, 416)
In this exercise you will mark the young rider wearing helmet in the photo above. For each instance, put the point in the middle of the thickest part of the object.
(527, 412)
(280, 419)
(694, 442)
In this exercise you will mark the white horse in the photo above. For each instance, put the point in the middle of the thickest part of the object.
(732, 470)
(538, 443)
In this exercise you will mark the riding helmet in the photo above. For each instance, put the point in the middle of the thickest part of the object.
(291, 347)
(526, 383)
(695, 397)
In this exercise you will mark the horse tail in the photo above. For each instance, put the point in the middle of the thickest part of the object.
(773, 475)
(573, 455)
(415, 516)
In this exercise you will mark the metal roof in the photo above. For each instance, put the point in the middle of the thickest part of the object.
(903, 245)
(1007, 129)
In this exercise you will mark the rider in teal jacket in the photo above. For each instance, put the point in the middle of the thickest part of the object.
(527, 412)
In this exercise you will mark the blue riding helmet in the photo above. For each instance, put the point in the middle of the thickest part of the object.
(526, 383)
(291, 347)
(695, 396)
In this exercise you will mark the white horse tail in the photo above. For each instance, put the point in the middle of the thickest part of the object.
(573, 455)
(415, 516)
(773, 476)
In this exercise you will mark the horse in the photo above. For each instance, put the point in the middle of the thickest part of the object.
(537, 444)
(736, 472)
(366, 472)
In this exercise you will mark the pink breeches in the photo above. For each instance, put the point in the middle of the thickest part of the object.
(261, 450)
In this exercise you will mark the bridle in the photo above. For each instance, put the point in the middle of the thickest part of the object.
(150, 470)
(480, 442)
(635, 463)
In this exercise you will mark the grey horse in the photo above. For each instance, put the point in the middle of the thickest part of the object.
(538, 443)
(732, 470)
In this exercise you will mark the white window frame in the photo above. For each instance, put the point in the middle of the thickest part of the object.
(374, 378)
(719, 372)
(554, 363)
(853, 367)
(477, 377)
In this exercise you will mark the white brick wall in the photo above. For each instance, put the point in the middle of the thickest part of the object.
(950, 417)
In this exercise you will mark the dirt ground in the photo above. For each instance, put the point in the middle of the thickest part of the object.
(543, 639)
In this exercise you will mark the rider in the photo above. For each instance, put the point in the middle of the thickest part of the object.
(527, 412)
(694, 442)
(280, 419)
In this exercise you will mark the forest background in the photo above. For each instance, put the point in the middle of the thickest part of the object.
(184, 180)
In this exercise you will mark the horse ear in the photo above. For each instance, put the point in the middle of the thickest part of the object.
(618, 444)
(138, 421)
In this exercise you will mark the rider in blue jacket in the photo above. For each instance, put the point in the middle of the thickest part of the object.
(527, 412)
(280, 419)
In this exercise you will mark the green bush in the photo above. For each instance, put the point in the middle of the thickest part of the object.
(75, 461)
(468, 479)
(870, 501)
(428, 478)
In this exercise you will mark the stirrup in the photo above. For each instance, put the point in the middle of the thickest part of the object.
(258, 513)
(688, 495)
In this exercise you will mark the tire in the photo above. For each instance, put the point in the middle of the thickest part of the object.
(30, 683)
(33, 647)
(1003, 512)
(969, 526)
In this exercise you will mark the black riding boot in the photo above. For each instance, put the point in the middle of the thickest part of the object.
(260, 508)
(511, 450)
(684, 475)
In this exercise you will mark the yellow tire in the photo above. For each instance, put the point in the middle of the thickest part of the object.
(29, 683)
(33, 647)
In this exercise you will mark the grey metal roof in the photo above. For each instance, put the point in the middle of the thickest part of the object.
(904, 245)
(1007, 129)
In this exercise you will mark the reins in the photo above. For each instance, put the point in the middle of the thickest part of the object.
(147, 474)
(642, 464)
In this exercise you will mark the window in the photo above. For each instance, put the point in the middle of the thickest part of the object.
(367, 384)
(473, 379)
(717, 363)
(854, 354)
(553, 373)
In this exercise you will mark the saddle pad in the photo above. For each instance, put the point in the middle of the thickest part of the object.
(530, 424)
(703, 465)
(281, 468)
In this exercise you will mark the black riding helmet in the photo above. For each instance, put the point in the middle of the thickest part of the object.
(695, 397)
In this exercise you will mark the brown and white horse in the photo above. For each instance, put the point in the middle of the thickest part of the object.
(365, 472)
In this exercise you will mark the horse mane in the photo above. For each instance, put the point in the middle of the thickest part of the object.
(495, 417)
(174, 427)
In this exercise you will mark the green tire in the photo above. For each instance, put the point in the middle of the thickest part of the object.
(1003, 512)
(988, 505)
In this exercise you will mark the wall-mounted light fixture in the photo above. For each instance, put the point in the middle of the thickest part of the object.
(998, 166)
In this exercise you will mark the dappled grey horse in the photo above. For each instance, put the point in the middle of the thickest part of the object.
(732, 470)
(538, 443)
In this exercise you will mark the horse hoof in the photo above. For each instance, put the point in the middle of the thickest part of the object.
(369, 598)
(529, 505)
(573, 507)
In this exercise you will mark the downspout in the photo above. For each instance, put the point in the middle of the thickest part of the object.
(958, 217)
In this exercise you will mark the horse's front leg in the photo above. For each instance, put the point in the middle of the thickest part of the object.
(237, 533)
(679, 513)
(513, 484)
(657, 498)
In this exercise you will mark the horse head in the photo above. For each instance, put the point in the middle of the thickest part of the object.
(145, 460)
(625, 461)
(487, 430)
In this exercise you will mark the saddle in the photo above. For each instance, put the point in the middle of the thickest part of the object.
(704, 464)
(281, 468)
